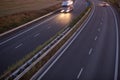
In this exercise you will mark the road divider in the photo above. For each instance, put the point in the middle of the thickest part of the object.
(26, 58)
(27, 70)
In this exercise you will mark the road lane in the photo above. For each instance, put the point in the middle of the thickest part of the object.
(101, 64)
(43, 31)
(92, 55)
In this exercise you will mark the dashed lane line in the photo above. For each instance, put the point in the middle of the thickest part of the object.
(19, 45)
(90, 51)
(80, 72)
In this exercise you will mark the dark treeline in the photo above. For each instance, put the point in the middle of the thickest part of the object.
(116, 2)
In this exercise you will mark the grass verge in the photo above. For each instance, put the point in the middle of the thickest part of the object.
(18, 19)
(12, 68)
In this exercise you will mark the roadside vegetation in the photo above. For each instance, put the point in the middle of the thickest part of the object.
(8, 7)
(15, 13)
(29, 74)
(115, 3)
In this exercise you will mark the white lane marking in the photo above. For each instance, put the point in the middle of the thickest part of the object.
(19, 45)
(96, 38)
(117, 46)
(90, 51)
(26, 30)
(36, 34)
(80, 72)
(40, 77)
(57, 57)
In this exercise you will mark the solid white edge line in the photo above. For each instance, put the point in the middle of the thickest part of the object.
(117, 46)
(54, 62)
(80, 72)
(2, 34)
(27, 30)
(67, 45)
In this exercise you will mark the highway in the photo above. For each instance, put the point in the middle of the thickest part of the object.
(92, 54)
(17, 44)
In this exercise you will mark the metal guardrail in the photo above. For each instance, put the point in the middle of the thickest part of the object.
(25, 65)
(28, 64)
(36, 58)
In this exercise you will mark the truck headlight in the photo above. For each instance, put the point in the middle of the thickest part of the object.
(62, 11)
(67, 10)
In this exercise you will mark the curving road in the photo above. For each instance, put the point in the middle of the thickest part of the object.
(92, 54)
(16, 45)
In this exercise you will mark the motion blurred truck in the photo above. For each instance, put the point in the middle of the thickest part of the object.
(67, 6)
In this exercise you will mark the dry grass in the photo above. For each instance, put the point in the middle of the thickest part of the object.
(34, 69)
(115, 2)
(51, 53)
(16, 6)
(11, 21)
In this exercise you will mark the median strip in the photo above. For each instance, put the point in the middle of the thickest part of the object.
(51, 47)
(33, 70)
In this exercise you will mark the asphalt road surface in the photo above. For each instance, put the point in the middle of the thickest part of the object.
(92, 54)
(15, 46)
